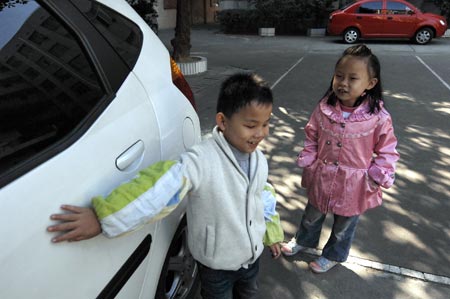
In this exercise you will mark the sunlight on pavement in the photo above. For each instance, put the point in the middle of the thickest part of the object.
(403, 236)
(441, 107)
(413, 288)
(393, 206)
(410, 174)
(313, 290)
(422, 141)
(400, 96)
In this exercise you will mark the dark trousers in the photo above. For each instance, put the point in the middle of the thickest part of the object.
(223, 284)
(340, 240)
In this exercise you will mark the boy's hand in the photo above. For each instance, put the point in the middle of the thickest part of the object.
(276, 250)
(80, 224)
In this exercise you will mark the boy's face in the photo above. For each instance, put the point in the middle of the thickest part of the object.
(246, 128)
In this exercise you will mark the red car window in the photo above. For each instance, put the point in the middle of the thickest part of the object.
(371, 8)
(397, 8)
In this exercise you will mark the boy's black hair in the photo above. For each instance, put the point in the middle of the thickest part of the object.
(239, 90)
(374, 95)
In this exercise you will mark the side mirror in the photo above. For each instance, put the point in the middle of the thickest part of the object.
(411, 12)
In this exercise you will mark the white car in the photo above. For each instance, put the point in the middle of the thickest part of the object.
(87, 98)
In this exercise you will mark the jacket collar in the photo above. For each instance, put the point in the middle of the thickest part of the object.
(226, 149)
(361, 113)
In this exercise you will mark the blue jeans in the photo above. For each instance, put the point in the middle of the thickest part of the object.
(340, 240)
(223, 284)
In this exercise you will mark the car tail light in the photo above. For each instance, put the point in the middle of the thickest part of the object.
(180, 82)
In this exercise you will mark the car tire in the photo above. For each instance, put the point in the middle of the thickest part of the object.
(179, 276)
(423, 36)
(351, 35)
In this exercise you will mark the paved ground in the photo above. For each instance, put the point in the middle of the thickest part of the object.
(401, 248)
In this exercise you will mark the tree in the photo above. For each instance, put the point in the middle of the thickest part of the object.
(181, 43)
(11, 3)
(444, 5)
(146, 9)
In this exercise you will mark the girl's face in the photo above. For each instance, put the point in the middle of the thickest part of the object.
(351, 78)
(246, 128)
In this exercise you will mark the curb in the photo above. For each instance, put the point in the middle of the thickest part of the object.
(427, 277)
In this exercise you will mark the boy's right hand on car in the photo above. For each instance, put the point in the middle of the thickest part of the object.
(79, 224)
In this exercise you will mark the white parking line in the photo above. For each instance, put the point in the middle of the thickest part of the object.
(388, 268)
(284, 75)
(433, 72)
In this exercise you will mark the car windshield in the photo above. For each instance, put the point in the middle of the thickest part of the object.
(346, 5)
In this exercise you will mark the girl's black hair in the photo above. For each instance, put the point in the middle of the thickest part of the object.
(241, 89)
(374, 95)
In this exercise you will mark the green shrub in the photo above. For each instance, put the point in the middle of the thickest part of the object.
(444, 6)
(287, 16)
(237, 21)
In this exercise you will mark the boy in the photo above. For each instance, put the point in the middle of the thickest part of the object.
(231, 208)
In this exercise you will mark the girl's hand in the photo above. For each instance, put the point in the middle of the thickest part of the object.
(80, 224)
(275, 249)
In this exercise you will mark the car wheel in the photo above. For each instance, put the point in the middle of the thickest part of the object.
(179, 277)
(423, 36)
(351, 35)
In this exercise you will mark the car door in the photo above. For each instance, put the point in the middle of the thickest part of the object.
(401, 19)
(74, 123)
(370, 18)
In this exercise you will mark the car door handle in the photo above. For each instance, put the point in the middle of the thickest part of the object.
(359, 18)
(389, 18)
(131, 156)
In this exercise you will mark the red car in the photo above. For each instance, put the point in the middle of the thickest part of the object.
(385, 19)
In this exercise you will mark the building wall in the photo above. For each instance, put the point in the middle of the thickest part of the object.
(234, 4)
(202, 12)
(166, 16)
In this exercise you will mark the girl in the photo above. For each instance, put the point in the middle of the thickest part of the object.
(349, 153)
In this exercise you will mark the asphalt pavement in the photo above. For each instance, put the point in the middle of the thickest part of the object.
(401, 248)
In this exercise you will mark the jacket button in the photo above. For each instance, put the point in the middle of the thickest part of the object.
(339, 144)
(250, 223)
(325, 161)
(256, 247)
(343, 125)
(328, 142)
(336, 163)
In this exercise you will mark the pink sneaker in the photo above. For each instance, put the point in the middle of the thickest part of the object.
(291, 248)
(322, 265)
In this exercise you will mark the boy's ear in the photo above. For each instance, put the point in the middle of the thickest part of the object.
(372, 83)
(220, 120)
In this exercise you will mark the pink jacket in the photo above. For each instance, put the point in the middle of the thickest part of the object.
(346, 161)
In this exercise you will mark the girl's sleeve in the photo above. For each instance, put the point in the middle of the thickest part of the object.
(382, 168)
(274, 232)
(151, 195)
(309, 153)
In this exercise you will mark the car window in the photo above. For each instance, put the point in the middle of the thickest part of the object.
(121, 33)
(47, 84)
(370, 8)
(397, 8)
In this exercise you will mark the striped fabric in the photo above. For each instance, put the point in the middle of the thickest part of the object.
(153, 194)
(274, 232)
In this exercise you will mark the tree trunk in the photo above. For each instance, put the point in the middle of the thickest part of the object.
(182, 42)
